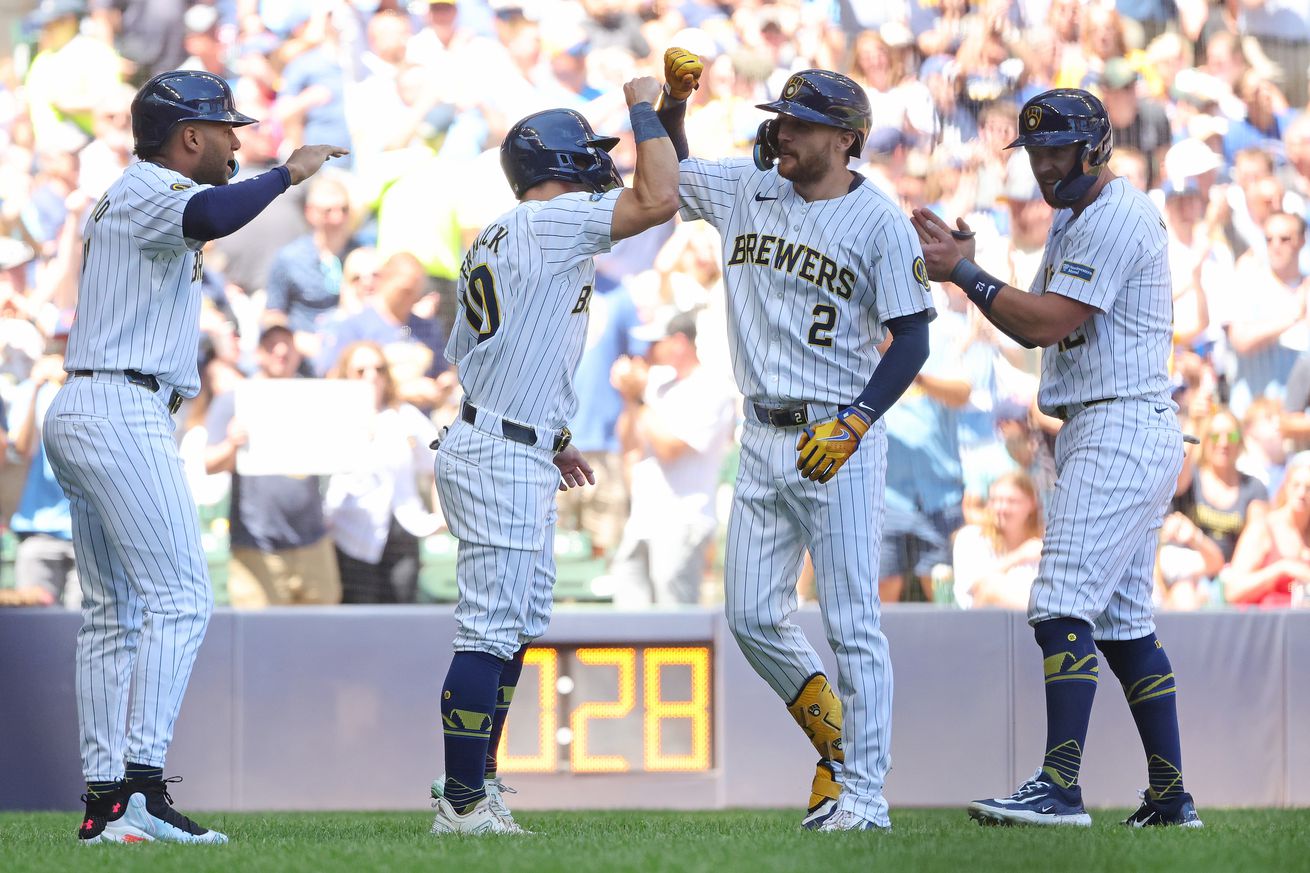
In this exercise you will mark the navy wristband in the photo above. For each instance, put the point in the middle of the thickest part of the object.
(979, 286)
(645, 123)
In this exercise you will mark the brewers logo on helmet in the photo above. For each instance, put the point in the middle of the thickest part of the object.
(1065, 116)
(176, 96)
(821, 97)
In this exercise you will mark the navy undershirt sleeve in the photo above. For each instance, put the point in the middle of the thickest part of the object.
(224, 209)
(671, 114)
(899, 365)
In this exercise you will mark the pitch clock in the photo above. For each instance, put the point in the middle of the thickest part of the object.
(611, 709)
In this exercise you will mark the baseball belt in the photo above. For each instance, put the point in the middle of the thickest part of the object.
(519, 433)
(147, 381)
(782, 416)
(1066, 411)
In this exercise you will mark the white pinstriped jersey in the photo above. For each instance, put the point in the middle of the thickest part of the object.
(1114, 257)
(809, 285)
(524, 296)
(138, 301)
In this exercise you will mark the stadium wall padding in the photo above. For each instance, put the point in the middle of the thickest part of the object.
(336, 708)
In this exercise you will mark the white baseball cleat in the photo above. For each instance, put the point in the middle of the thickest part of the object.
(479, 820)
(845, 820)
(496, 789)
(150, 812)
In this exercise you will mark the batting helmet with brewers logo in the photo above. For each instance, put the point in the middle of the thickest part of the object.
(557, 144)
(821, 97)
(1065, 116)
(172, 98)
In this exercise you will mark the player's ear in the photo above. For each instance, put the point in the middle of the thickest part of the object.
(845, 140)
(189, 135)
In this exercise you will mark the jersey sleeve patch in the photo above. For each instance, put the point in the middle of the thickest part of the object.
(179, 186)
(1078, 271)
(921, 273)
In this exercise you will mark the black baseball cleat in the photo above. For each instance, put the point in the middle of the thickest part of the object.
(1178, 812)
(104, 820)
(150, 808)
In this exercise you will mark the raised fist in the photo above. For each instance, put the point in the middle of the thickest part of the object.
(682, 72)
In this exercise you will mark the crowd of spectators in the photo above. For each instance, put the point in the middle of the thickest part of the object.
(352, 276)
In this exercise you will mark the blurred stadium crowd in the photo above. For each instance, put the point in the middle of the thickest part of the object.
(352, 276)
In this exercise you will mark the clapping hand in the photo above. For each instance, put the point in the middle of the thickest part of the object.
(943, 248)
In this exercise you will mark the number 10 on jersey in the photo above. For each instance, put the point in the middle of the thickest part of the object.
(481, 305)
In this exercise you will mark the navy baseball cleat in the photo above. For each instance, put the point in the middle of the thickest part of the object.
(825, 791)
(1180, 812)
(1036, 802)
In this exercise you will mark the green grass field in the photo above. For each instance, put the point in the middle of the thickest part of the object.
(754, 841)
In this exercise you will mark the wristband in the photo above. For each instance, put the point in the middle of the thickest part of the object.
(645, 123)
(979, 286)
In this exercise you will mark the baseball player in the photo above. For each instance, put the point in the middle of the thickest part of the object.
(1101, 309)
(109, 436)
(525, 289)
(818, 265)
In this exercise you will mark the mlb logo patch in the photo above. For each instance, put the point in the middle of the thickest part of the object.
(1078, 271)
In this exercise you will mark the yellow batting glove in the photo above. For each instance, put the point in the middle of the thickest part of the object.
(824, 447)
(682, 72)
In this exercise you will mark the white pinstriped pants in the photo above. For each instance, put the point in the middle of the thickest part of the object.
(1117, 465)
(499, 500)
(776, 516)
(146, 599)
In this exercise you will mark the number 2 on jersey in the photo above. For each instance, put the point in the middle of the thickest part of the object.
(481, 305)
(825, 319)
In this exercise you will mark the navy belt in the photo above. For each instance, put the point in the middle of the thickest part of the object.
(782, 416)
(519, 433)
(145, 380)
(1066, 411)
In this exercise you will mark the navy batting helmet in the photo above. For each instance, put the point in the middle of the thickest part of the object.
(1064, 116)
(822, 97)
(171, 98)
(557, 144)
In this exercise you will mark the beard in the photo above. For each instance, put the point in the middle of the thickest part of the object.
(802, 170)
(214, 167)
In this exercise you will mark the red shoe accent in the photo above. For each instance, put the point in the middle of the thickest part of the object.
(87, 825)
(117, 807)
(133, 838)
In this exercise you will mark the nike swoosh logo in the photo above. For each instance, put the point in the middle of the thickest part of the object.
(837, 436)
(761, 198)
(1160, 408)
